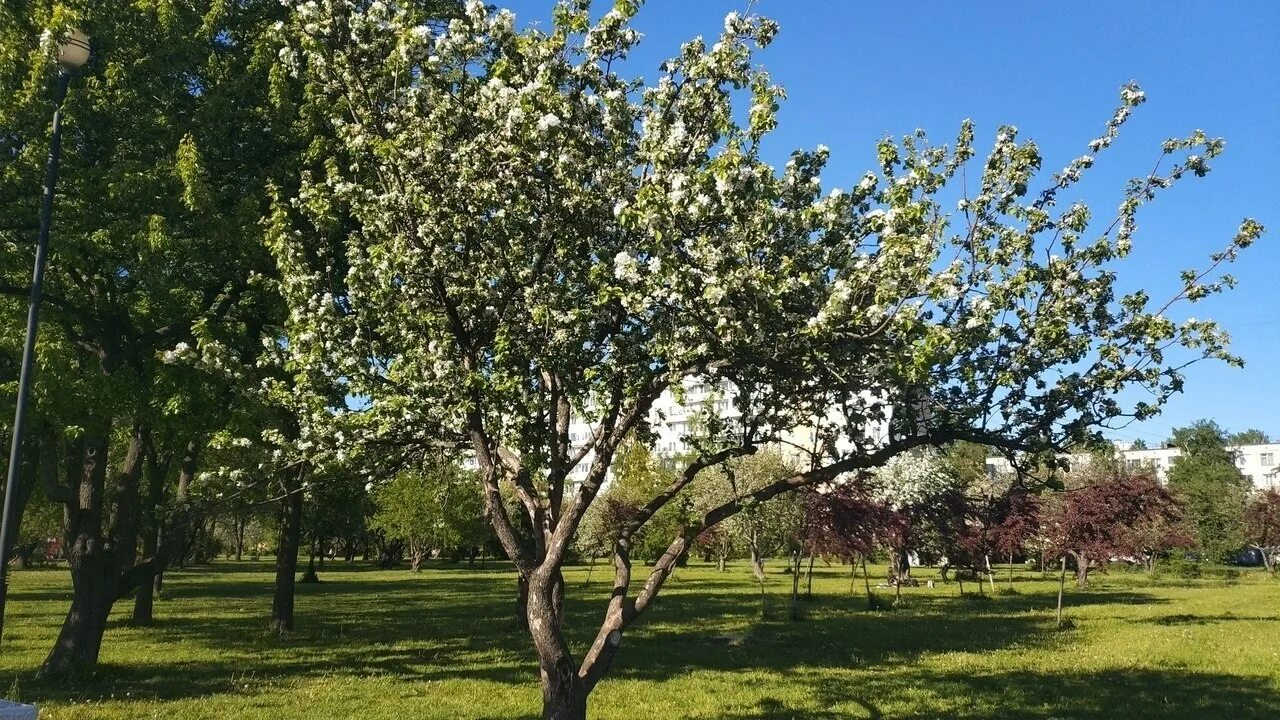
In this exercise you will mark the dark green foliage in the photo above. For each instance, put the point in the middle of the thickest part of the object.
(1211, 489)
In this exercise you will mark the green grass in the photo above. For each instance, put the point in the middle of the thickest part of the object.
(441, 644)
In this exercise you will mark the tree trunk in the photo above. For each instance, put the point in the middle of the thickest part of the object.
(991, 576)
(757, 568)
(287, 554)
(866, 579)
(795, 585)
(1082, 569)
(92, 581)
(310, 575)
(1268, 559)
(144, 596)
(808, 591)
(720, 562)
(564, 696)
(177, 534)
(125, 516)
(1062, 584)
(1010, 571)
(92, 562)
(240, 523)
(757, 563)
(522, 602)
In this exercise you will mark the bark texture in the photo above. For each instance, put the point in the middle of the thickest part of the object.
(92, 562)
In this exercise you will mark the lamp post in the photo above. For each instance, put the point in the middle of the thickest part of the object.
(73, 52)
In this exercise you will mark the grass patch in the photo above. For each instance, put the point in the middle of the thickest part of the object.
(441, 644)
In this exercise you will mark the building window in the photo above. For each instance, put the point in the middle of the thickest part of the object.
(1268, 459)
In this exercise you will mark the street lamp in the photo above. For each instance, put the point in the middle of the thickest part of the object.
(73, 52)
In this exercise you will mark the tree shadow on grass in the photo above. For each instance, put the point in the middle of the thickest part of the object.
(1031, 696)
(460, 625)
(838, 631)
(1071, 695)
(1184, 619)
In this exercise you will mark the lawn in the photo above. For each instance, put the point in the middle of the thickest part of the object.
(441, 644)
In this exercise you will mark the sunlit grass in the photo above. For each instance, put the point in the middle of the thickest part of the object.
(442, 644)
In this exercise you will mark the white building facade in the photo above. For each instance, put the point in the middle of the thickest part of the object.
(1259, 463)
(674, 419)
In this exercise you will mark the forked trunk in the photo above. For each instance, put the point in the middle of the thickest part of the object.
(1268, 558)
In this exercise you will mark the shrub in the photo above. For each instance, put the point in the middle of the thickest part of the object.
(1184, 568)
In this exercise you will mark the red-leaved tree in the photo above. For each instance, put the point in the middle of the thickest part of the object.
(842, 521)
(1262, 526)
(1107, 513)
(1000, 525)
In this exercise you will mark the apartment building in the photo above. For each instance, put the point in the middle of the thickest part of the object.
(674, 418)
(1260, 463)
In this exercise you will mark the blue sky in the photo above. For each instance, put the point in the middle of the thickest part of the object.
(856, 71)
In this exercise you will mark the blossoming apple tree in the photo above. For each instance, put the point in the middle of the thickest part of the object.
(543, 239)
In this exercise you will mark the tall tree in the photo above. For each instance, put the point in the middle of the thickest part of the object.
(1211, 488)
(167, 149)
(542, 240)
(1252, 436)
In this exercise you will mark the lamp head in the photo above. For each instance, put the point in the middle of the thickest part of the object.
(73, 50)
